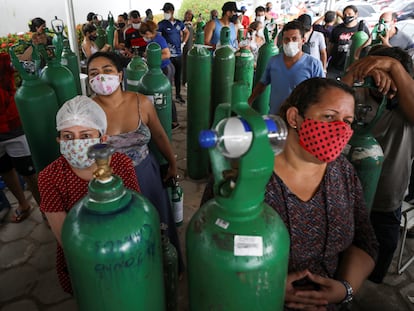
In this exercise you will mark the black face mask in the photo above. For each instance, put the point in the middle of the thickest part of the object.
(92, 38)
(121, 25)
(348, 19)
(233, 19)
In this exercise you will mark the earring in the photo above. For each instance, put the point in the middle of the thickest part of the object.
(294, 126)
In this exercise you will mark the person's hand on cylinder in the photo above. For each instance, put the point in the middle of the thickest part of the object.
(171, 172)
(363, 67)
(376, 67)
(385, 39)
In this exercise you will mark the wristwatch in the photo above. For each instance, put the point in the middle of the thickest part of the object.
(349, 292)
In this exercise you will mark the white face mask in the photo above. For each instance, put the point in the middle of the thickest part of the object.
(136, 25)
(260, 19)
(167, 16)
(146, 39)
(291, 49)
(76, 151)
(104, 84)
(260, 33)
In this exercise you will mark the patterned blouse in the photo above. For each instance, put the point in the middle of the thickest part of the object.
(60, 188)
(134, 144)
(326, 225)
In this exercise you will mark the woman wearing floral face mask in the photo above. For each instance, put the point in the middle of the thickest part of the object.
(317, 193)
(132, 123)
(81, 123)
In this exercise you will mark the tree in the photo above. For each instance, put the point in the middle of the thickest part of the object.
(200, 7)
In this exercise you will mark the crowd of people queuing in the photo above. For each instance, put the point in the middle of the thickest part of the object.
(310, 88)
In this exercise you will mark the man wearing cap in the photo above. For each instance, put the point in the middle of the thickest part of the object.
(229, 19)
(176, 34)
(315, 40)
(133, 39)
(286, 70)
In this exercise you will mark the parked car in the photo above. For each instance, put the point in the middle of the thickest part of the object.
(403, 10)
(407, 27)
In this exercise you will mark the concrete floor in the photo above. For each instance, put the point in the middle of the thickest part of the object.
(27, 258)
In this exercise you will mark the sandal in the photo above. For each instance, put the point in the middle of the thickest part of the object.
(19, 215)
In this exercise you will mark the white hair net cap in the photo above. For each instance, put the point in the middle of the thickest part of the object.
(81, 111)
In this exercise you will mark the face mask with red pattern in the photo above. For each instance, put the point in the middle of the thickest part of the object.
(324, 140)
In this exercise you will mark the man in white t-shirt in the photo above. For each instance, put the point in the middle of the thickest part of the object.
(315, 44)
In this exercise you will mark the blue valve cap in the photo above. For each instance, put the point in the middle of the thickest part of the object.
(207, 138)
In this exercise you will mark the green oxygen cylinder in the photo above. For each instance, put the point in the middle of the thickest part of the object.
(170, 265)
(37, 104)
(136, 68)
(380, 29)
(110, 30)
(100, 32)
(238, 246)
(177, 202)
(154, 83)
(57, 41)
(363, 150)
(112, 245)
(223, 70)
(244, 68)
(266, 51)
(357, 40)
(70, 61)
(198, 104)
(61, 79)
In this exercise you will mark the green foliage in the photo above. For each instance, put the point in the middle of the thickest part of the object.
(12, 39)
(203, 7)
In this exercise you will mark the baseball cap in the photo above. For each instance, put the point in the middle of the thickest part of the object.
(81, 111)
(168, 7)
(306, 21)
(230, 6)
(243, 9)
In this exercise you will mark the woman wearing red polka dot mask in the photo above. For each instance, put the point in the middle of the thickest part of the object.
(321, 112)
(318, 195)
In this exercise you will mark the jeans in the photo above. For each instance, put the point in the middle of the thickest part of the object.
(177, 61)
(169, 71)
(387, 229)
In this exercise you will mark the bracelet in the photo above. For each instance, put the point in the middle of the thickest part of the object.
(349, 292)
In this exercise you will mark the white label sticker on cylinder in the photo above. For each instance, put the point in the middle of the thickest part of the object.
(222, 223)
(245, 245)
